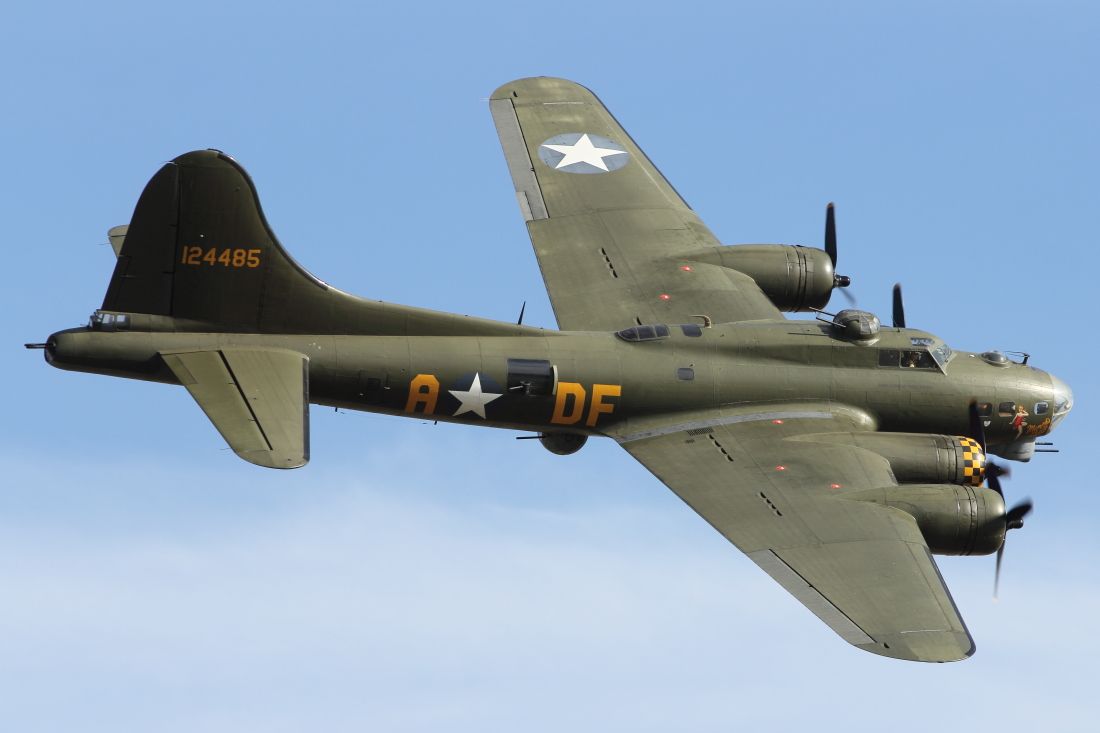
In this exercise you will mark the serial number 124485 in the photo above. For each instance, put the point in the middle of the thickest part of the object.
(227, 257)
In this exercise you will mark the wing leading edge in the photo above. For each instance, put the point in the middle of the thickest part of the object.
(862, 568)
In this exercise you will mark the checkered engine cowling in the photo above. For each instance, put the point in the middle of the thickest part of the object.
(972, 461)
(923, 458)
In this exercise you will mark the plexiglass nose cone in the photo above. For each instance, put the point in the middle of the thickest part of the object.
(1063, 398)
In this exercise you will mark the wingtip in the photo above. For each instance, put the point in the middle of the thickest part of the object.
(543, 87)
(923, 646)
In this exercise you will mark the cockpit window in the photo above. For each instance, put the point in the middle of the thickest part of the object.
(906, 358)
(644, 333)
(927, 353)
(911, 359)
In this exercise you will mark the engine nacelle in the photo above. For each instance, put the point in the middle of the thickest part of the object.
(563, 444)
(794, 278)
(920, 458)
(955, 520)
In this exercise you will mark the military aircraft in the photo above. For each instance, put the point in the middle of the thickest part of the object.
(839, 454)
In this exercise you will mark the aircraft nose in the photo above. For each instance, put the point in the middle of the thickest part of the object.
(1063, 399)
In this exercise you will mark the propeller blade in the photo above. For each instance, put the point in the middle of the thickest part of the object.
(899, 307)
(848, 295)
(1014, 518)
(993, 474)
(977, 427)
(994, 482)
(830, 233)
(997, 572)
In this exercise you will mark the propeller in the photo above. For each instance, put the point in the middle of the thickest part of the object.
(839, 281)
(976, 431)
(899, 307)
(1014, 519)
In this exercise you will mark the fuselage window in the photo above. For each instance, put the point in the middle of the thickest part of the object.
(985, 409)
(1041, 408)
(1006, 409)
(530, 377)
(109, 322)
(643, 333)
(685, 373)
(889, 357)
(692, 329)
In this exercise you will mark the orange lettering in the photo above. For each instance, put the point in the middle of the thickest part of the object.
(575, 409)
(599, 407)
(423, 390)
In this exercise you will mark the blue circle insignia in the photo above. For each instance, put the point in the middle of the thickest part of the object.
(583, 152)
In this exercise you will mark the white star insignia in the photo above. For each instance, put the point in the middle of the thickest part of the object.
(583, 151)
(473, 400)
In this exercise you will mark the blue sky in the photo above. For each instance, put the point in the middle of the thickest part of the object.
(417, 577)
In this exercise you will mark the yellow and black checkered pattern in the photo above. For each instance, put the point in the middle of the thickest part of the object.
(973, 461)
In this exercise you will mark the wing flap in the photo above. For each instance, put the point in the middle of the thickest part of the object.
(257, 399)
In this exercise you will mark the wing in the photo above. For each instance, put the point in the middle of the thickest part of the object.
(863, 569)
(609, 231)
(257, 399)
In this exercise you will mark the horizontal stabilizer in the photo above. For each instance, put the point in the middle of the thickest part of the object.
(257, 399)
(116, 236)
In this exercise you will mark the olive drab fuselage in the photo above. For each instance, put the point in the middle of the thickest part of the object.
(585, 382)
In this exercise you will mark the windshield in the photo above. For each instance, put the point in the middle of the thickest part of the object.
(940, 351)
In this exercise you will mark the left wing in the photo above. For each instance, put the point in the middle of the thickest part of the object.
(755, 476)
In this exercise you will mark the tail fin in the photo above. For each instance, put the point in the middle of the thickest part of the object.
(199, 249)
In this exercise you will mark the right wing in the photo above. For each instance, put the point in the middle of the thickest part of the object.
(258, 399)
(609, 231)
(789, 504)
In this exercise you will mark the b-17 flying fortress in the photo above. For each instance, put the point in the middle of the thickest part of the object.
(839, 453)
